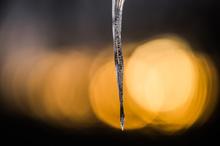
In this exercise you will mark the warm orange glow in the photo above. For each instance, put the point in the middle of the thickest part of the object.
(161, 75)
(168, 86)
(66, 89)
(36, 84)
(104, 99)
(51, 86)
(16, 68)
(168, 81)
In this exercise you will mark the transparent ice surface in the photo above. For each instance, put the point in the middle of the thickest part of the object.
(117, 9)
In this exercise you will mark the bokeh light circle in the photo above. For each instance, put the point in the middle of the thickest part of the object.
(170, 82)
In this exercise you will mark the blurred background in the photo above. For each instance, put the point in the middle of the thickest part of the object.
(57, 77)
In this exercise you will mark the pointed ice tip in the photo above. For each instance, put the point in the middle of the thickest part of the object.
(122, 128)
(122, 124)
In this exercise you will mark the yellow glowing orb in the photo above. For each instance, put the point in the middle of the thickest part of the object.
(161, 75)
(169, 82)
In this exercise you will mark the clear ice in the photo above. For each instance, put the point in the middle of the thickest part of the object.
(117, 9)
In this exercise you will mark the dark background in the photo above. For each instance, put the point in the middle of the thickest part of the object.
(88, 22)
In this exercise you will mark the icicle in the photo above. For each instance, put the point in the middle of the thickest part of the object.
(117, 9)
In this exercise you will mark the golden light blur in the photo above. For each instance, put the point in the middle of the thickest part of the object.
(51, 86)
(168, 86)
(168, 81)
(154, 71)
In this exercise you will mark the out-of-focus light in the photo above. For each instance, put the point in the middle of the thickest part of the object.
(168, 82)
(208, 85)
(13, 77)
(51, 86)
(36, 84)
(66, 90)
(167, 86)
(161, 75)
(104, 99)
